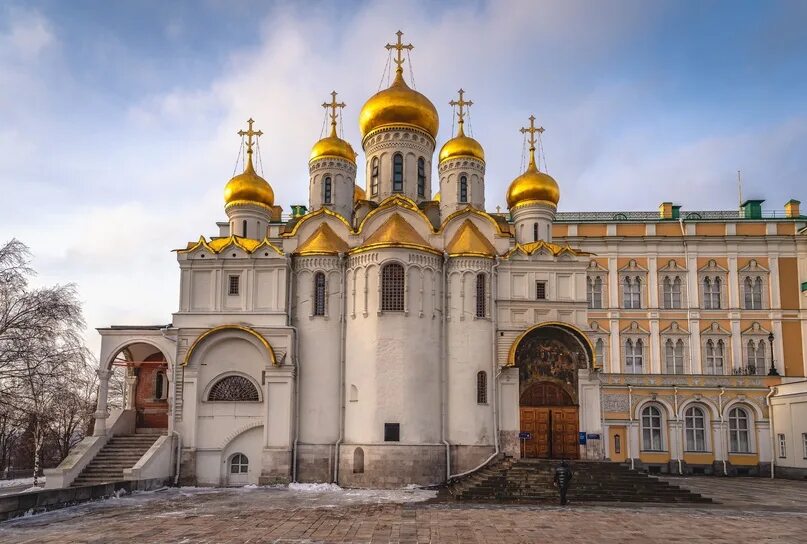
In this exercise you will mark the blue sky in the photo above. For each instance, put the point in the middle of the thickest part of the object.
(117, 119)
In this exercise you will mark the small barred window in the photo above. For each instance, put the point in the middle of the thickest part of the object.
(397, 173)
(328, 190)
(233, 389)
(540, 290)
(481, 387)
(481, 296)
(374, 177)
(392, 288)
(463, 189)
(319, 293)
(234, 285)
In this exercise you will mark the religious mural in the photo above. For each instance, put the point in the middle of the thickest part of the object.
(550, 353)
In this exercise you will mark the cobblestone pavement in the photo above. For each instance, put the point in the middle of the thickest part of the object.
(280, 515)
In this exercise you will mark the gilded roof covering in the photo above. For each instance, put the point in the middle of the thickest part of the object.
(324, 241)
(468, 240)
(554, 249)
(395, 232)
(217, 245)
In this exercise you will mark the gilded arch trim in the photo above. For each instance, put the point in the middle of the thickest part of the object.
(576, 332)
(241, 328)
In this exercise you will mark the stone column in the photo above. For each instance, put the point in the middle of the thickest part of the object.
(131, 390)
(100, 411)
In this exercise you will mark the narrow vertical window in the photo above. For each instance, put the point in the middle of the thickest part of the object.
(668, 292)
(676, 293)
(392, 288)
(463, 189)
(481, 387)
(757, 294)
(627, 287)
(327, 190)
(421, 177)
(589, 292)
(678, 358)
(535, 234)
(397, 173)
(782, 445)
(597, 295)
(244, 228)
(599, 353)
(481, 296)
(695, 429)
(374, 177)
(719, 356)
(707, 293)
(710, 357)
(748, 297)
(633, 356)
(716, 294)
(651, 429)
(540, 290)
(319, 293)
(738, 431)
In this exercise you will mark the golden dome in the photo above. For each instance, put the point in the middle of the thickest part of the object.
(359, 193)
(249, 187)
(462, 146)
(533, 185)
(398, 105)
(333, 146)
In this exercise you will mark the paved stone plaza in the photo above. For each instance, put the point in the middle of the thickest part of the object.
(751, 510)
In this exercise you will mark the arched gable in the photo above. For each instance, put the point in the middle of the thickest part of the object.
(224, 328)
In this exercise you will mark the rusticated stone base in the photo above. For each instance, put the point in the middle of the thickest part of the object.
(509, 443)
(187, 467)
(276, 467)
(390, 466)
(314, 463)
(465, 458)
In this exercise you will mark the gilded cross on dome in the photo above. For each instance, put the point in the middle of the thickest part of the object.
(400, 48)
(249, 133)
(461, 103)
(332, 106)
(532, 130)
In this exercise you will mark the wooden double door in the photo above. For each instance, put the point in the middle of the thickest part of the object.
(553, 429)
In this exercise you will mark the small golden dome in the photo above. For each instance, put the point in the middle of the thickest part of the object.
(437, 197)
(333, 146)
(398, 105)
(533, 185)
(359, 193)
(249, 186)
(462, 146)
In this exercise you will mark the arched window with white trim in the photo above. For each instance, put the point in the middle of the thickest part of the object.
(594, 291)
(674, 356)
(695, 429)
(392, 288)
(715, 356)
(632, 292)
(711, 293)
(634, 355)
(755, 350)
(651, 429)
(739, 431)
(233, 388)
(239, 464)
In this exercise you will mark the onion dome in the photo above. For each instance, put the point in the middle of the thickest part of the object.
(332, 145)
(359, 193)
(249, 187)
(533, 185)
(398, 105)
(462, 146)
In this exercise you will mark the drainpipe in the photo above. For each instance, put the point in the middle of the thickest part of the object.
(179, 451)
(494, 374)
(342, 349)
(444, 368)
(770, 420)
(296, 362)
(630, 427)
(677, 434)
(722, 431)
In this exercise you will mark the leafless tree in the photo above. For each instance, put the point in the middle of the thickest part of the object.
(41, 347)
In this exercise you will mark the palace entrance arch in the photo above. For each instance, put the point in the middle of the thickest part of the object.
(548, 358)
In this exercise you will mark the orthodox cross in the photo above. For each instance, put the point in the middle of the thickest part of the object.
(532, 130)
(333, 105)
(399, 47)
(249, 133)
(461, 103)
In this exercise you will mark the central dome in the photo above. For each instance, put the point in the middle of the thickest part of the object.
(533, 185)
(249, 187)
(333, 146)
(398, 105)
(462, 146)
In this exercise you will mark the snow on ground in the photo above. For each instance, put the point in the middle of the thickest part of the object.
(19, 482)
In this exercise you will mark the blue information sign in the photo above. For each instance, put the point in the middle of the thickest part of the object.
(582, 438)
(593, 436)
(525, 435)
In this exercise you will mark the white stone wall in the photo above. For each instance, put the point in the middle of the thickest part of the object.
(412, 143)
(343, 179)
(451, 171)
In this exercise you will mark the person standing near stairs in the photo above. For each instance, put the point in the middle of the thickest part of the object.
(563, 477)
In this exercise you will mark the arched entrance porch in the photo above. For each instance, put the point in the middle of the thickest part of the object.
(139, 382)
(548, 358)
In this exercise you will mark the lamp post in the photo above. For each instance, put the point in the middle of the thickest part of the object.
(772, 371)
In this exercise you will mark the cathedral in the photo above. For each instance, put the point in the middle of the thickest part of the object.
(399, 333)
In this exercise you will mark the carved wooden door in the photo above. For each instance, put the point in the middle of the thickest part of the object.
(536, 422)
(564, 433)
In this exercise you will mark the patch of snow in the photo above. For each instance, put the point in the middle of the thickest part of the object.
(32, 488)
(19, 482)
(314, 488)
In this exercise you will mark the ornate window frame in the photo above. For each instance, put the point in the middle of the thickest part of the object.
(706, 414)
(716, 333)
(679, 339)
(600, 336)
(634, 273)
(753, 271)
(757, 334)
(594, 272)
(673, 271)
(633, 333)
(713, 271)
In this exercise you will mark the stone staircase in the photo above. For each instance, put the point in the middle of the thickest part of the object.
(531, 480)
(119, 453)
